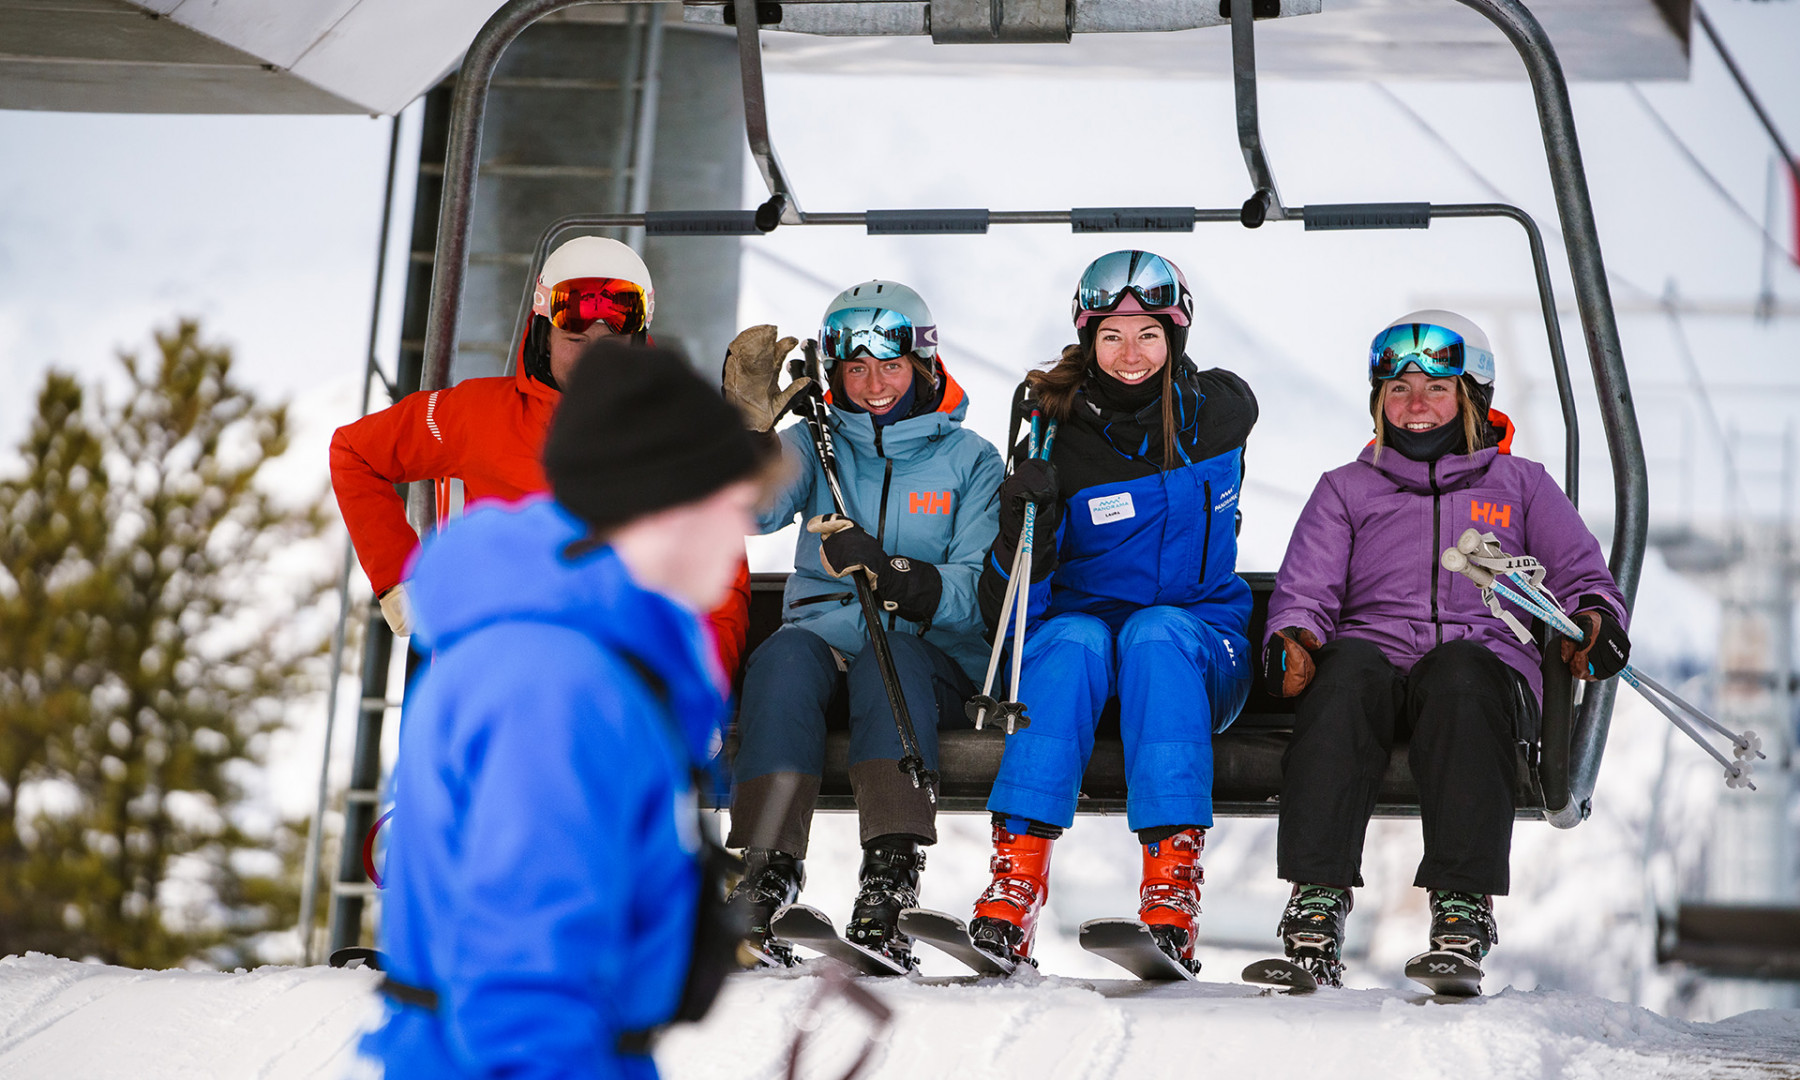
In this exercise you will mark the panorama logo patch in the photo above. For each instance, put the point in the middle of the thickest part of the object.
(1108, 508)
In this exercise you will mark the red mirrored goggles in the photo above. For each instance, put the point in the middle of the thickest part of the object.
(578, 303)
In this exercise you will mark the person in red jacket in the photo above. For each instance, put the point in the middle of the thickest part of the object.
(489, 433)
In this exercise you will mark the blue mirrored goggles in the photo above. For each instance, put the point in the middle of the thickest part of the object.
(880, 333)
(1439, 352)
(1106, 283)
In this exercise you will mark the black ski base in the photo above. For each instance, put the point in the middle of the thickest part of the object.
(950, 936)
(1281, 973)
(808, 926)
(1129, 944)
(1448, 974)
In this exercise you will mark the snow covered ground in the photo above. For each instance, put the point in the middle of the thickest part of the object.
(62, 1019)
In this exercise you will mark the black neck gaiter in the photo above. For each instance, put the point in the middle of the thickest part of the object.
(1427, 445)
(1114, 396)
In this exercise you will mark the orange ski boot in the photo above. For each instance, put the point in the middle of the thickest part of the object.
(1169, 898)
(1006, 915)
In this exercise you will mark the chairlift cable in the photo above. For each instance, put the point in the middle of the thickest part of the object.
(1743, 85)
(1707, 174)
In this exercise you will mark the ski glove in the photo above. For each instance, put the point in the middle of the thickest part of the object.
(753, 376)
(1287, 662)
(1606, 649)
(396, 608)
(907, 587)
(1033, 480)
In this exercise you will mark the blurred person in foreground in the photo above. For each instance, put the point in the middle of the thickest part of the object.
(488, 434)
(550, 907)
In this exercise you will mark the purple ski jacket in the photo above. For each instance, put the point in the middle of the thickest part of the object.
(1363, 560)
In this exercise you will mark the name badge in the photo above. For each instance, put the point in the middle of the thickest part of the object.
(1108, 508)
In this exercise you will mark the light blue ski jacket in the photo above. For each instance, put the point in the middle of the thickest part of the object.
(926, 487)
(542, 871)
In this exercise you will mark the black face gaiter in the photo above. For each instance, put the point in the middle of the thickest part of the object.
(1115, 396)
(1427, 445)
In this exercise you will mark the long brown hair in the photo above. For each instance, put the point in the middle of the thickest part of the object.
(1465, 408)
(1057, 385)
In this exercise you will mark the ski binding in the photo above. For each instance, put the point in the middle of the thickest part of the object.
(808, 926)
(950, 935)
(1129, 944)
(1448, 974)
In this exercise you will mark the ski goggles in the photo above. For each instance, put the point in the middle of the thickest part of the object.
(881, 333)
(1152, 279)
(578, 303)
(1438, 352)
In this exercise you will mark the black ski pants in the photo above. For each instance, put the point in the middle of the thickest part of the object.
(1460, 709)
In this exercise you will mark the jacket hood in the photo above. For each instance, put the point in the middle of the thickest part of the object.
(522, 380)
(507, 563)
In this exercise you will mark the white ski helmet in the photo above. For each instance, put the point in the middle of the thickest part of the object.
(884, 318)
(595, 257)
(1439, 343)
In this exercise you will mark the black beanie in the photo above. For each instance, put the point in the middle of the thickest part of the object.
(639, 431)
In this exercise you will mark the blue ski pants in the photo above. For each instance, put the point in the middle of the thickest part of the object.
(1178, 680)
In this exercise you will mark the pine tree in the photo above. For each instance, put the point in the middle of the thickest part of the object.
(145, 665)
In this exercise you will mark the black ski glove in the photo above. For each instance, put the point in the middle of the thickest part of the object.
(1032, 480)
(1288, 663)
(1606, 650)
(907, 587)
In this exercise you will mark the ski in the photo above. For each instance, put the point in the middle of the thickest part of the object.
(1279, 972)
(774, 954)
(1129, 944)
(950, 936)
(1448, 974)
(808, 926)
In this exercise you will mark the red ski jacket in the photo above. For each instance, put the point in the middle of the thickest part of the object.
(489, 433)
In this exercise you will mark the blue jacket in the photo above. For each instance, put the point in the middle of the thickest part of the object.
(1132, 533)
(923, 486)
(541, 873)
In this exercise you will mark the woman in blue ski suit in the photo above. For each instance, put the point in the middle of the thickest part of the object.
(543, 872)
(921, 489)
(1134, 594)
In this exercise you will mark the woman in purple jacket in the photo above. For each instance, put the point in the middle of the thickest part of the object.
(1379, 643)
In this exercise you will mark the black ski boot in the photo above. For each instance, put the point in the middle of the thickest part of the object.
(771, 881)
(1463, 922)
(890, 884)
(1312, 931)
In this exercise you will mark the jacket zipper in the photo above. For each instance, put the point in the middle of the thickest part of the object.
(1437, 529)
(1206, 548)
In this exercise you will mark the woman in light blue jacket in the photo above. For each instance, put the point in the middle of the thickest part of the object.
(921, 491)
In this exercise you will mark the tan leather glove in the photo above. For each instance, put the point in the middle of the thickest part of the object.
(753, 376)
(1287, 662)
(396, 608)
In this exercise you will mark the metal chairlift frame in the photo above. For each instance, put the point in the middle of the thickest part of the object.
(1573, 735)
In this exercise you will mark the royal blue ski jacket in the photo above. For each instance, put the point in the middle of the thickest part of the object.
(542, 870)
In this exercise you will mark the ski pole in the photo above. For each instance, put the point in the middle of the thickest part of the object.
(980, 705)
(912, 762)
(1015, 709)
(1467, 558)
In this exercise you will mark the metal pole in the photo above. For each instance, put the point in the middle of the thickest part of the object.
(643, 152)
(315, 837)
(1743, 86)
(1631, 495)
(756, 115)
(1265, 203)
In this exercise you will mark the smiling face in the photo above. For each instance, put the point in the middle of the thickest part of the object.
(1416, 402)
(876, 385)
(1131, 348)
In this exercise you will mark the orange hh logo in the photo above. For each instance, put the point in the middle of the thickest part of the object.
(929, 502)
(1496, 514)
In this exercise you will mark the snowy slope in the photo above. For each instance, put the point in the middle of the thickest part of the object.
(62, 1019)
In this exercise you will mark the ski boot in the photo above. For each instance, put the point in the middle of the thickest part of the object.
(1312, 931)
(771, 881)
(890, 885)
(1006, 915)
(1463, 922)
(1169, 897)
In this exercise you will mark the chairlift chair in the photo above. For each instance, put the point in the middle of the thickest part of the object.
(1558, 770)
